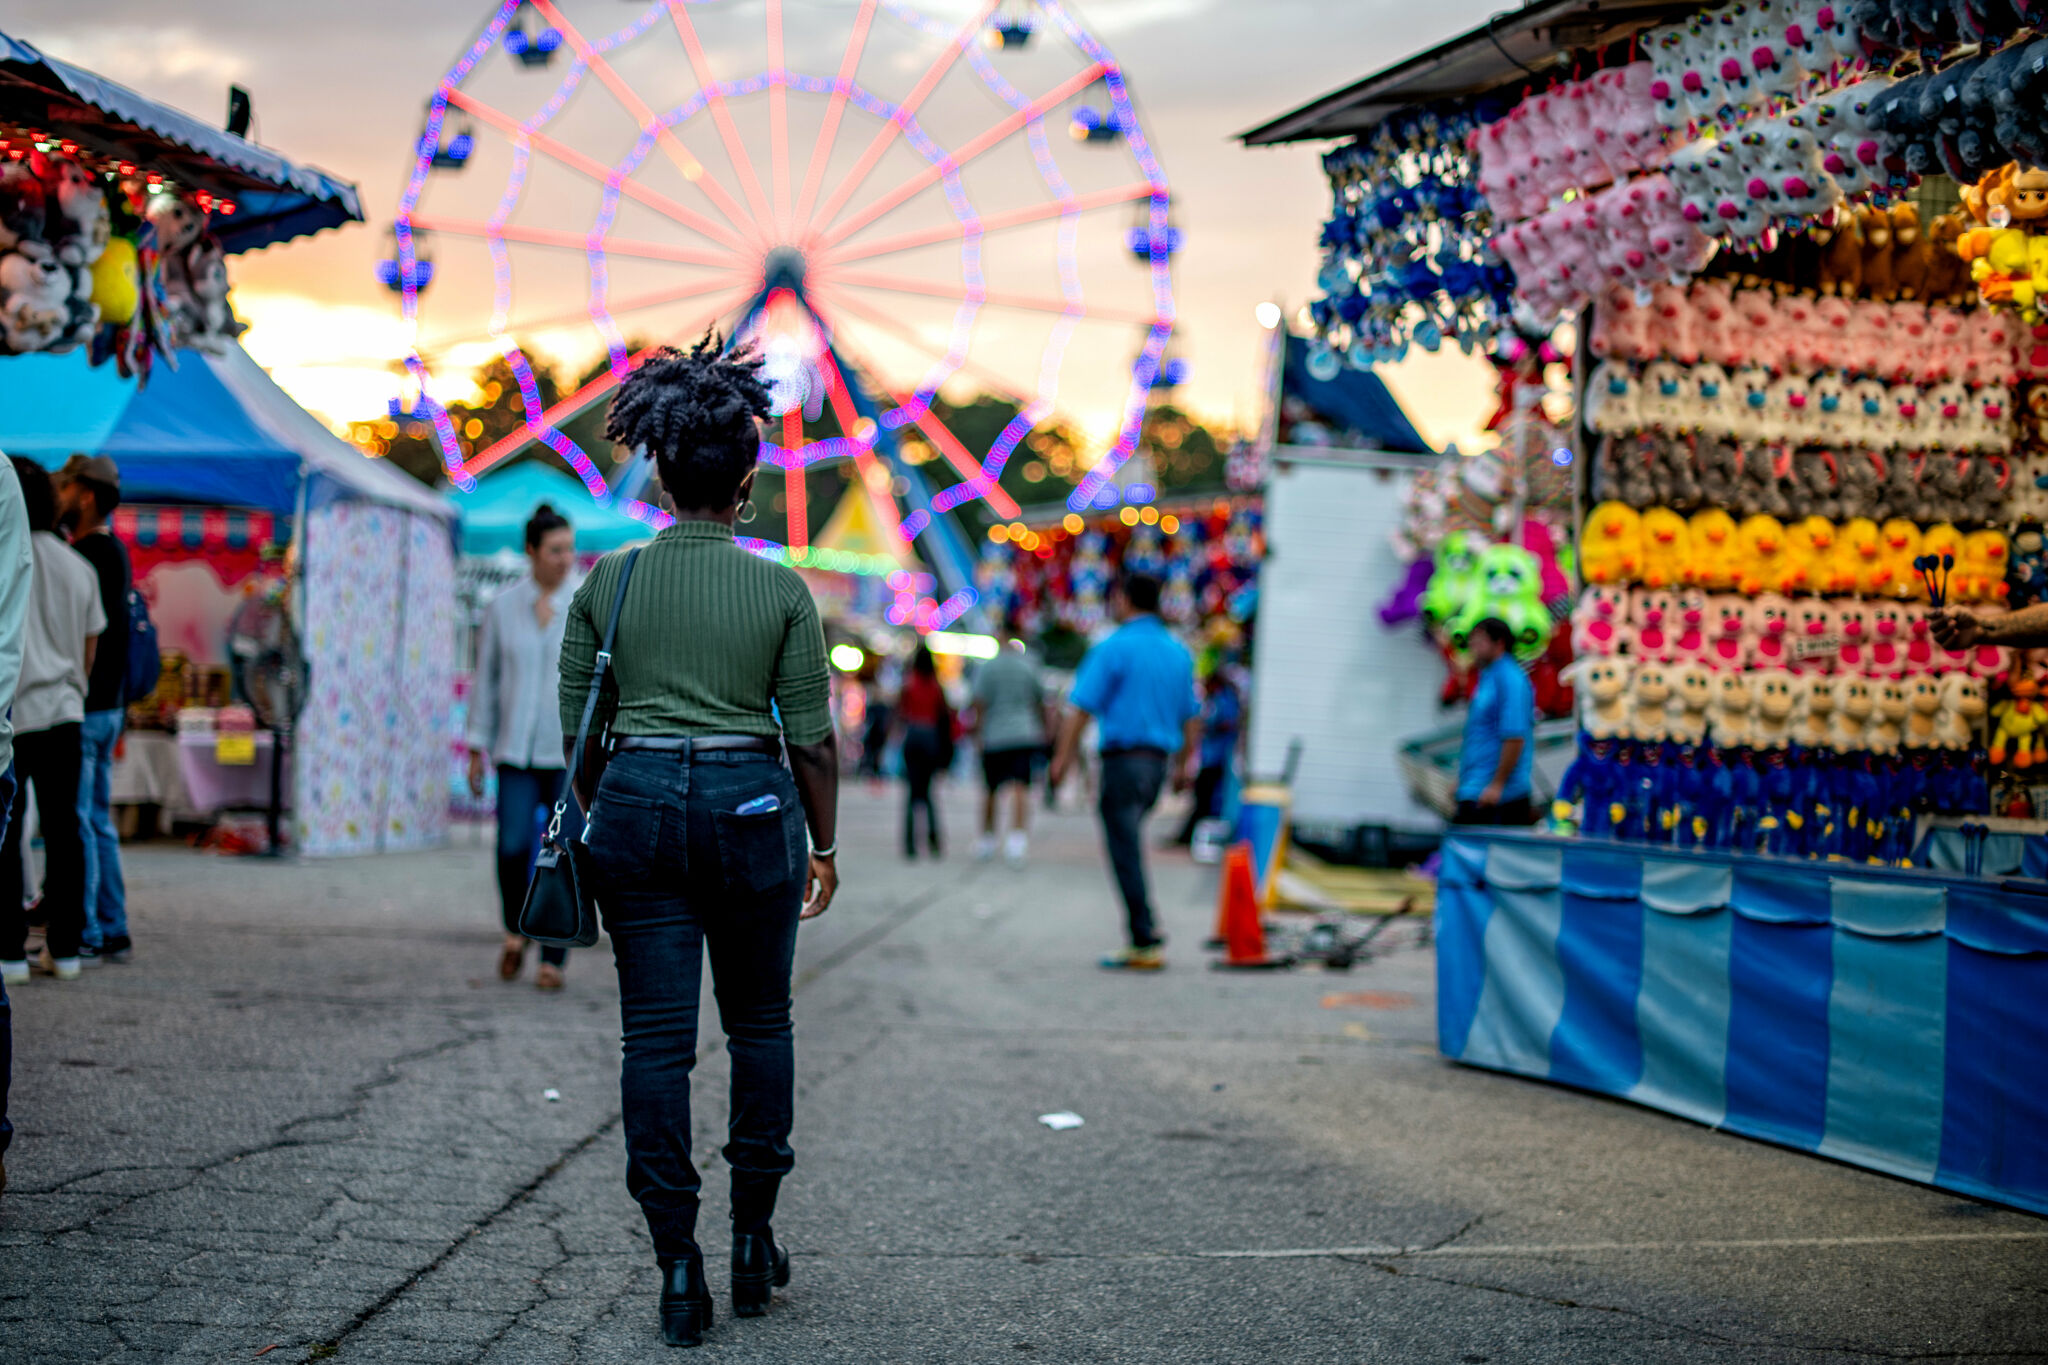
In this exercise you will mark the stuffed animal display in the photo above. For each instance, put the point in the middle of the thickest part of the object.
(1406, 259)
(1580, 135)
(1774, 762)
(1728, 64)
(1628, 234)
(54, 228)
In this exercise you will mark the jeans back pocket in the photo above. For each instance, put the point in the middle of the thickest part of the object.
(756, 849)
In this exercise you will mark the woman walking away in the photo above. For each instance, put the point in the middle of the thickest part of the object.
(927, 725)
(696, 830)
(513, 722)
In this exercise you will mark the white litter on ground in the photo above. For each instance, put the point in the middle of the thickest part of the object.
(552, 1096)
(1061, 1121)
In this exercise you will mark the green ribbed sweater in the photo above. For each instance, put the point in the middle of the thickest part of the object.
(710, 635)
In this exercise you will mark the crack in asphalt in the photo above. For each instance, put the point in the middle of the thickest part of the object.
(858, 944)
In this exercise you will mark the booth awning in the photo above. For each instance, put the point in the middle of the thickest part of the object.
(275, 199)
(1355, 401)
(1514, 46)
(217, 430)
(495, 514)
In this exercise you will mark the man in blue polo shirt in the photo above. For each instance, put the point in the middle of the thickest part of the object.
(1139, 685)
(1495, 759)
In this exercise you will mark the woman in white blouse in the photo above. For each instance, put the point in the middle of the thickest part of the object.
(515, 723)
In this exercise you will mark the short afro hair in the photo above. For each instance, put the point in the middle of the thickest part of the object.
(694, 411)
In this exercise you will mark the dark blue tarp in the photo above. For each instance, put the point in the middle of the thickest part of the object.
(1356, 400)
(292, 200)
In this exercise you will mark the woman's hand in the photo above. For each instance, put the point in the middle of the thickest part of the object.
(476, 772)
(823, 883)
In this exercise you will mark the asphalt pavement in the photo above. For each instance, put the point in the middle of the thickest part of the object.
(307, 1122)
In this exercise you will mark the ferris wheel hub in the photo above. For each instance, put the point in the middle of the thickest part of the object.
(784, 268)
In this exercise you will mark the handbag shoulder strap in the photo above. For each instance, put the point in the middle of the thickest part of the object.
(599, 669)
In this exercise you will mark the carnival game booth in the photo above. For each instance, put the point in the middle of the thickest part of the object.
(217, 461)
(1788, 250)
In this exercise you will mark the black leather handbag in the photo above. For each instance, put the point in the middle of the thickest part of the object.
(561, 903)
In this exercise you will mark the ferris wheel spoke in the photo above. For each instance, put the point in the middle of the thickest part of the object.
(871, 471)
(828, 133)
(567, 409)
(905, 111)
(578, 241)
(596, 170)
(949, 445)
(700, 66)
(1075, 83)
(693, 170)
(731, 280)
(881, 321)
(1034, 303)
(994, 222)
(778, 118)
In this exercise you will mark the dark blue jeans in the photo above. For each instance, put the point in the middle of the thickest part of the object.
(1131, 783)
(526, 797)
(680, 869)
(8, 849)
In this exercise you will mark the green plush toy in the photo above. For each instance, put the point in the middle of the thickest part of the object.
(1452, 581)
(1507, 582)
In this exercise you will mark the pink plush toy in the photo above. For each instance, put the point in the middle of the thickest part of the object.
(1600, 624)
(1672, 321)
(1689, 607)
(1762, 333)
(1713, 311)
(1813, 630)
(1728, 643)
(1539, 540)
(1990, 338)
(1886, 655)
(1909, 354)
(1869, 337)
(1852, 624)
(1921, 655)
(1770, 623)
(1944, 356)
(1652, 614)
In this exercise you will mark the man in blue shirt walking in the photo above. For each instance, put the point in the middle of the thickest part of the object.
(1495, 760)
(1139, 685)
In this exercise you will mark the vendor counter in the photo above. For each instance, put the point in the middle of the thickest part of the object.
(1896, 1020)
(183, 775)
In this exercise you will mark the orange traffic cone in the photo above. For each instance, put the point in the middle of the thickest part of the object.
(1237, 915)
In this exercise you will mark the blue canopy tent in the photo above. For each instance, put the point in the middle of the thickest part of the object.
(216, 431)
(1354, 401)
(374, 587)
(275, 200)
(494, 515)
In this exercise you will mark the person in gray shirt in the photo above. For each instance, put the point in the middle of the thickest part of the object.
(1009, 703)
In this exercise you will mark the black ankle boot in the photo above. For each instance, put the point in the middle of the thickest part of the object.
(685, 1302)
(757, 1265)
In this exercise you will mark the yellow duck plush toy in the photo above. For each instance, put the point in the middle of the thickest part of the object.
(1900, 546)
(1716, 551)
(1859, 557)
(1760, 547)
(1666, 549)
(1808, 564)
(1611, 550)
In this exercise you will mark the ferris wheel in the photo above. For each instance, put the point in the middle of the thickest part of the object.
(885, 201)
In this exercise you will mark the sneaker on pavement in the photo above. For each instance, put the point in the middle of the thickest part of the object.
(984, 848)
(1135, 960)
(1015, 847)
(63, 968)
(88, 955)
(14, 972)
(117, 949)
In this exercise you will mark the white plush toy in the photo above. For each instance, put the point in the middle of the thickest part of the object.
(1869, 421)
(1732, 723)
(1602, 685)
(1748, 417)
(35, 297)
(1789, 415)
(1692, 700)
(1779, 698)
(1650, 701)
(1963, 704)
(1613, 399)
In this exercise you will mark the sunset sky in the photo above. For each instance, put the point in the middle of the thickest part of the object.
(343, 87)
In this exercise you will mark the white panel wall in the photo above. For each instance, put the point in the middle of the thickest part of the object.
(1327, 672)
